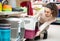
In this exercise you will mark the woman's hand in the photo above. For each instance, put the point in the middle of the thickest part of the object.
(37, 34)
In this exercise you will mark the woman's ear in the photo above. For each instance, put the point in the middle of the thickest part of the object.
(52, 12)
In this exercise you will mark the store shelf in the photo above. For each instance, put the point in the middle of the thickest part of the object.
(57, 22)
(56, 2)
(11, 13)
(58, 18)
(12, 19)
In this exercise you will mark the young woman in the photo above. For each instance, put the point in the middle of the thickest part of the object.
(50, 13)
(49, 16)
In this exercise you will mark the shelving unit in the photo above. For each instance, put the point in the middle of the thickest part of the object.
(14, 23)
(11, 13)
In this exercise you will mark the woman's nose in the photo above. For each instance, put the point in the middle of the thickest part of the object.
(46, 14)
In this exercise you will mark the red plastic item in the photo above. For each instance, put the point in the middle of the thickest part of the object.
(29, 34)
(29, 7)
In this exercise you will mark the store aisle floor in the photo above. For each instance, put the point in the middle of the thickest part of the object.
(53, 33)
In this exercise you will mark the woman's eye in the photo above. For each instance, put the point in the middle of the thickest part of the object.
(47, 12)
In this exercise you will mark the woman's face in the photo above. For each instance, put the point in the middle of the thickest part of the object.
(47, 15)
(48, 12)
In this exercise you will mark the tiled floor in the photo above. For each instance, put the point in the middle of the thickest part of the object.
(53, 33)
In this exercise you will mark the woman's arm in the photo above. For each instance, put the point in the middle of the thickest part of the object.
(39, 13)
(43, 26)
